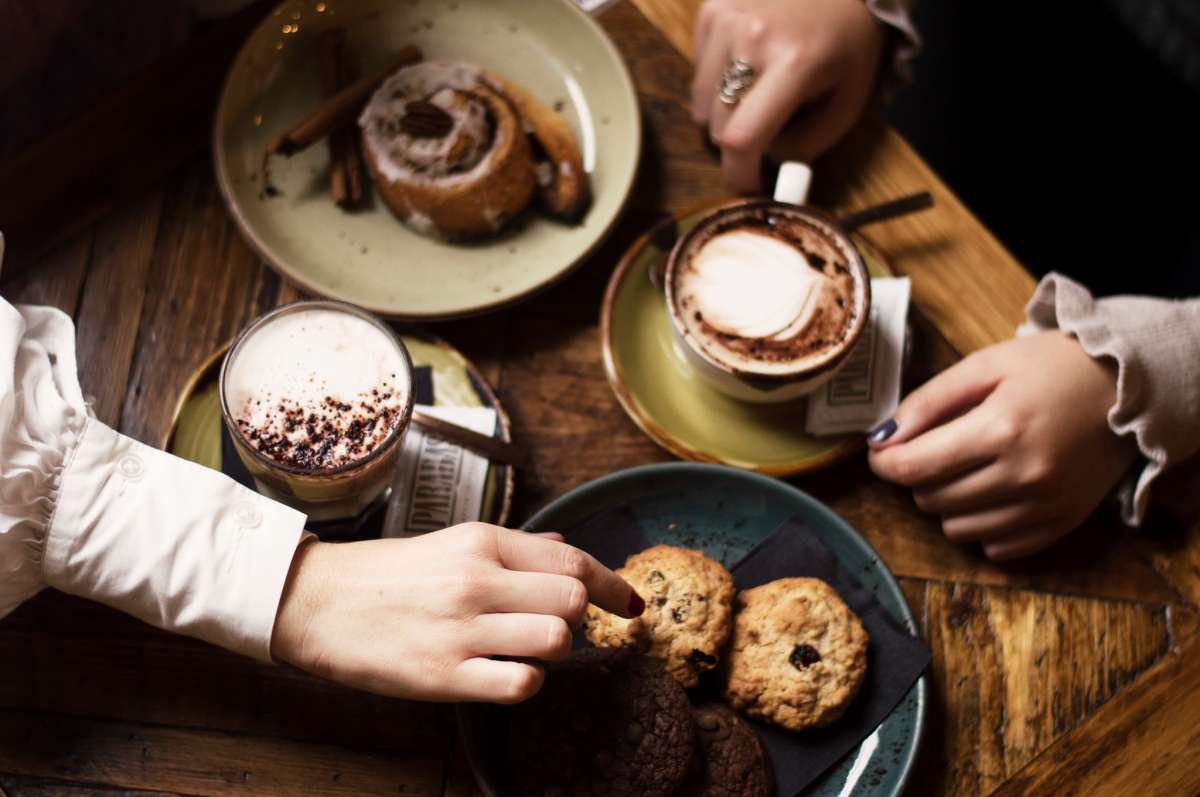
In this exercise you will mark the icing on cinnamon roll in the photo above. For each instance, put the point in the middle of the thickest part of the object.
(448, 152)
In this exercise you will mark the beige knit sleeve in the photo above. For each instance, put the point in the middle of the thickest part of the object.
(1156, 346)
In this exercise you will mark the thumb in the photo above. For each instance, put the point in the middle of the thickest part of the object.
(947, 395)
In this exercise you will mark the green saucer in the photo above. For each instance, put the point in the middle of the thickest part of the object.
(675, 407)
(726, 512)
(195, 432)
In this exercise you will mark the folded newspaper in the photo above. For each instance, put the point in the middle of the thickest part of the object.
(866, 391)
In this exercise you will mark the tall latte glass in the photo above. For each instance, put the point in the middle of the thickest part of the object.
(317, 396)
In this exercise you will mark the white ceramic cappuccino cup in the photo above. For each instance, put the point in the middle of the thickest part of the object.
(749, 381)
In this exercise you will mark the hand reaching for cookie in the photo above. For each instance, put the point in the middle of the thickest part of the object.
(815, 63)
(453, 615)
(1011, 446)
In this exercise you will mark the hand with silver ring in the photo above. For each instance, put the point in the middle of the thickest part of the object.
(785, 78)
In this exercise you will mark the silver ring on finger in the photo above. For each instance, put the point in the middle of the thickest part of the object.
(736, 80)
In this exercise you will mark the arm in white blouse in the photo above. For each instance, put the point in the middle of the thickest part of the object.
(94, 513)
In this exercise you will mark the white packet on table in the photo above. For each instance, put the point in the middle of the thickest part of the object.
(438, 484)
(866, 391)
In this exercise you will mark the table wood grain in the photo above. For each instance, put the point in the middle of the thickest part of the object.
(1075, 673)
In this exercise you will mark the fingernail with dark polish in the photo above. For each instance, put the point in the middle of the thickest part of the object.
(882, 432)
(636, 605)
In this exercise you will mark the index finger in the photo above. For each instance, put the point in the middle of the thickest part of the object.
(783, 88)
(527, 552)
(943, 452)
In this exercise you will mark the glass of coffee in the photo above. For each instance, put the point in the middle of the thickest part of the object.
(766, 298)
(317, 396)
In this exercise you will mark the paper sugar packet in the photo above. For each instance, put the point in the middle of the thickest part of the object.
(866, 391)
(438, 484)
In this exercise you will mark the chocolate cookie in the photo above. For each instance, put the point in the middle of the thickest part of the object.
(689, 611)
(732, 762)
(607, 721)
(798, 654)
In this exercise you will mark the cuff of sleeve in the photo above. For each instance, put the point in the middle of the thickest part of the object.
(1149, 394)
(173, 543)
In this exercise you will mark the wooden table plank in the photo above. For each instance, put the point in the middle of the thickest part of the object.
(149, 757)
(131, 139)
(164, 679)
(58, 280)
(17, 786)
(110, 312)
(1175, 554)
(1143, 742)
(205, 286)
(1013, 669)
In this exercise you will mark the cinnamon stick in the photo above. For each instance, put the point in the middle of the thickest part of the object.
(329, 56)
(345, 168)
(351, 151)
(337, 109)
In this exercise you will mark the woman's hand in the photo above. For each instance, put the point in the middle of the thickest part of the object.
(426, 618)
(1011, 446)
(815, 57)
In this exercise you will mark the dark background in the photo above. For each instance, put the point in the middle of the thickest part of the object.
(1066, 135)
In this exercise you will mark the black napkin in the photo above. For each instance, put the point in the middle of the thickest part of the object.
(610, 535)
(895, 659)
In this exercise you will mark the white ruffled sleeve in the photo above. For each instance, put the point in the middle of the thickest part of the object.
(41, 417)
(93, 513)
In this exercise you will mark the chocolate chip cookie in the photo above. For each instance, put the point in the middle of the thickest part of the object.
(607, 721)
(732, 762)
(798, 654)
(689, 611)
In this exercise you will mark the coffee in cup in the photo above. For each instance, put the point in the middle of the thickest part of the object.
(766, 298)
(317, 396)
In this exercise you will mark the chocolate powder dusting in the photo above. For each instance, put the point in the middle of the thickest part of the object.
(336, 434)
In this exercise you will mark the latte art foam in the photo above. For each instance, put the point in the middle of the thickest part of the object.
(752, 285)
(766, 294)
(317, 389)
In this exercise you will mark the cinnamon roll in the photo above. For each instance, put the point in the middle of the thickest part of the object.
(459, 152)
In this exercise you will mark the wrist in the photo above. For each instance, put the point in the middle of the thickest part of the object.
(299, 603)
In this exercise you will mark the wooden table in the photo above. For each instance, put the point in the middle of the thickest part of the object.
(1077, 673)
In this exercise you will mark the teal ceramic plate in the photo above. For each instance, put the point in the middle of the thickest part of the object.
(726, 512)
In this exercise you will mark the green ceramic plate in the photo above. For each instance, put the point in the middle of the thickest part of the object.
(195, 433)
(726, 512)
(675, 407)
(367, 257)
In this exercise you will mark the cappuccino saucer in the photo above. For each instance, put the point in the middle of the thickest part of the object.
(674, 406)
(196, 429)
